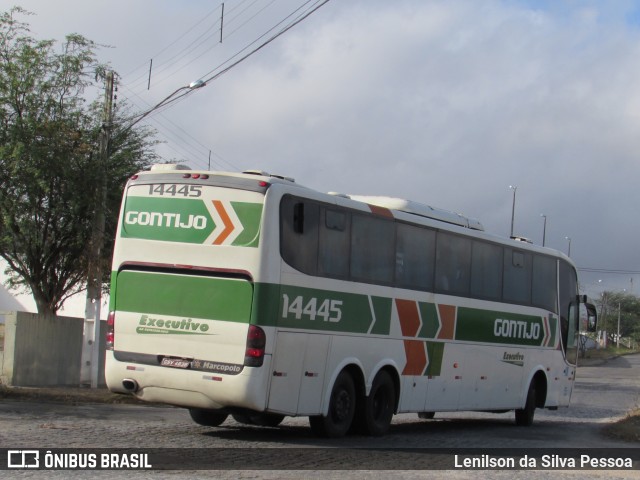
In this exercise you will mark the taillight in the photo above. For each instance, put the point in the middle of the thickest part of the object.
(256, 340)
(110, 335)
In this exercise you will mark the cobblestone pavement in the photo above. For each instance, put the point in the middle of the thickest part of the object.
(602, 394)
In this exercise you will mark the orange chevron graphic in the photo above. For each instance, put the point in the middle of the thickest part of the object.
(448, 321)
(409, 317)
(228, 224)
(416, 357)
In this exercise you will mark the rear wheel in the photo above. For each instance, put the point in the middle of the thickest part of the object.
(261, 419)
(379, 405)
(342, 405)
(207, 418)
(266, 419)
(242, 418)
(524, 416)
(426, 415)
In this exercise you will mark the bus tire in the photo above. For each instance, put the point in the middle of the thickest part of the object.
(379, 405)
(524, 416)
(207, 418)
(242, 418)
(266, 419)
(260, 419)
(426, 415)
(342, 405)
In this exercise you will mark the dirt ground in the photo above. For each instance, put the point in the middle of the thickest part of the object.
(68, 395)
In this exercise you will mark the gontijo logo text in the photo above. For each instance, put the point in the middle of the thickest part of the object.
(516, 329)
(170, 220)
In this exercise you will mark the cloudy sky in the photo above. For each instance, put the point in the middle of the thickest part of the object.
(443, 102)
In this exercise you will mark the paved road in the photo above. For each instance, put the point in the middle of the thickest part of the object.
(602, 394)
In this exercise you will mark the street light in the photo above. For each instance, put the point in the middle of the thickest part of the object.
(168, 99)
(513, 206)
(569, 251)
(544, 229)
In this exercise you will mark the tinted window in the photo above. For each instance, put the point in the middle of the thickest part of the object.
(516, 286)
(544, 286)
(415, 252)
(486, 271)
(372, 249)
(299, 234)
(330, 241)
(333, 255)
(453, 264)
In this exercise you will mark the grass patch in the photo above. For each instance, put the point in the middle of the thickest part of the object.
(609, 352)
(626, 429)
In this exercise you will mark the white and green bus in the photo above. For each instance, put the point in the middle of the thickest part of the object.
(252, 296)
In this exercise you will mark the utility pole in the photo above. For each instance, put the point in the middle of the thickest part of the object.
(618, 335)
(513, 207)
(89, 371)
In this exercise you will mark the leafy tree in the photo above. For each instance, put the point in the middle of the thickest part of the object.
(49, 161)
(629, 307)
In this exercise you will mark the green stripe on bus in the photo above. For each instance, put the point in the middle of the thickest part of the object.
(249, 215)
(435, 353)
(331, 311)
(187, 296)
(499, 327)
(266, 301)
(287, 306)
(553, 326)
(168, 219)
(382, 309)
(430, 322)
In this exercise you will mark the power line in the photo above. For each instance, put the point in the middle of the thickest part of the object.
(285, 29)
(609, 271)
(265, 43)
(160, 122)
(164, 49)
(194, 45)
(184, 91)
(185, 54)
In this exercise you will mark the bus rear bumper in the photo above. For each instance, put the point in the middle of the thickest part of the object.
(188, 388)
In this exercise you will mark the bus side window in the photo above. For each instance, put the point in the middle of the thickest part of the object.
(334, 243)
(299, 234)
(516, 286)
(415, 253)
(372, 249)
(453, 264)
(544, 290)
(486, 271)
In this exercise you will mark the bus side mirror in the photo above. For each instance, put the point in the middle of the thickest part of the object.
(590, 323)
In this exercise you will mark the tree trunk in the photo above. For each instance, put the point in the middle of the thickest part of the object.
(44, 307)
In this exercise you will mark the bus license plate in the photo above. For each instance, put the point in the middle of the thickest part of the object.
(175, 362)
